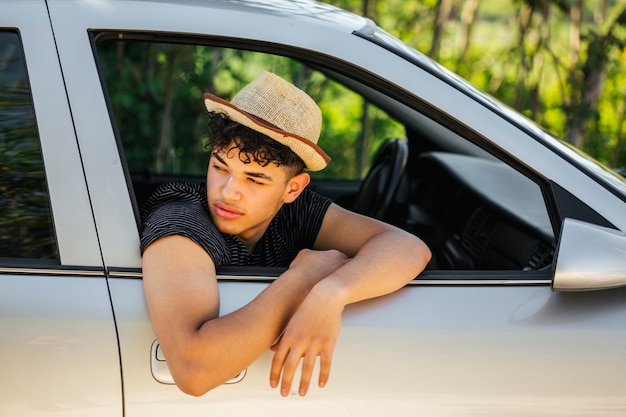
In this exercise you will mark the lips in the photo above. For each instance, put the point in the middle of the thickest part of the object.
(227, 211)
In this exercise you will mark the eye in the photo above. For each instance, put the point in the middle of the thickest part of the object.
(255, 181)
(218, 168)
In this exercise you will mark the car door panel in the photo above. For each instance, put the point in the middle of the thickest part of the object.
(58, 350)
(486, 349)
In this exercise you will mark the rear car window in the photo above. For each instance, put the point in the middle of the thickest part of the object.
(26, 228)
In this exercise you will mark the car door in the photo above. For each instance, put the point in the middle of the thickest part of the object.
(454, 341)
(58, 345)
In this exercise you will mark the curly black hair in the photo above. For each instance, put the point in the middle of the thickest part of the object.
(251, 145)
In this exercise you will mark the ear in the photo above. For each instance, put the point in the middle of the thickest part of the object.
(295, 186)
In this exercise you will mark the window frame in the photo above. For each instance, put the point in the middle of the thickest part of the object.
(329, 64)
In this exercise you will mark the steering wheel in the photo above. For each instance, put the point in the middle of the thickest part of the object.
(381, 182)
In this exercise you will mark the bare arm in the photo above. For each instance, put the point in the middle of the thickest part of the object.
(202, 350)
(384, 259)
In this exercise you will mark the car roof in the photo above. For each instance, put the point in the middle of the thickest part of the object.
(297, 9)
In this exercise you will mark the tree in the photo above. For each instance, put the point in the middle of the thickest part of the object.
(468, 17)
(589, 78)
(444, 10)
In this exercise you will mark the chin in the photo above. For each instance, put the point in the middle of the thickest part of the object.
(224, 225)
(228, 229)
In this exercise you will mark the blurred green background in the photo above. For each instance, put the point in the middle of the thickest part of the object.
(561, 63)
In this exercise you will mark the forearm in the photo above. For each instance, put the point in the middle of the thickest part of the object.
(205, 357)
(383, 265)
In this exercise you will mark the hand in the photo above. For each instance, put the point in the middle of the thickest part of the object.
(317, 265)
(312, 331)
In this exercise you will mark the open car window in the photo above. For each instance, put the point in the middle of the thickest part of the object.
(475, 212)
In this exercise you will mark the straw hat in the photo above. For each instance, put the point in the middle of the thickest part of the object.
(280, 110)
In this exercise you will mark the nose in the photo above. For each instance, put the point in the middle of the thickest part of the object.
(230, 190)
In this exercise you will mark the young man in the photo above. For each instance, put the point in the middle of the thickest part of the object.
(256, 210)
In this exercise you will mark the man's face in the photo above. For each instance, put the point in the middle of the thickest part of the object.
(243, 198)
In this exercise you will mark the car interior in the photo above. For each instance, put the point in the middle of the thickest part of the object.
(474, 213)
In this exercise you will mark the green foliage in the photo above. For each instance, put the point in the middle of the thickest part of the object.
(519, 51)
(156, 95)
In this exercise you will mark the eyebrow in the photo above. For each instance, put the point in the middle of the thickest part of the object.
(260, 175)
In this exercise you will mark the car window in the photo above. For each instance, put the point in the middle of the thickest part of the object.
(473, 211)
(26, 229)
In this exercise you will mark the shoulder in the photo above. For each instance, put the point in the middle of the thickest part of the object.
(179, 191)
(180, 208)
(308, 209)
(311, 200)
(299, 222)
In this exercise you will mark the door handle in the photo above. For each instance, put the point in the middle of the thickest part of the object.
(161, 372)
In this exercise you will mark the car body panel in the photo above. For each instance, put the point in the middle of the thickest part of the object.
(448, 350)
(58, 347)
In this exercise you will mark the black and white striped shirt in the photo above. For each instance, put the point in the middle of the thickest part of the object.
(181, 208)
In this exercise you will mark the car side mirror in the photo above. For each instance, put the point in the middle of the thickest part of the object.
(589, 257)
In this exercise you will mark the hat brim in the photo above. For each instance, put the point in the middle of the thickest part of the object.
(311, 154)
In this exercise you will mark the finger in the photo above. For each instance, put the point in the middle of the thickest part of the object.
(325, 362)
(289, 369)
(277, 365)
(308, 363)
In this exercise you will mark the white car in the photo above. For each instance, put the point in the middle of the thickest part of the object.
(522, 311)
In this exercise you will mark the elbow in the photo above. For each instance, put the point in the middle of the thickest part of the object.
(197, 368)
(192, 389)
(194, 378)
(193, 382)
(198, 378)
